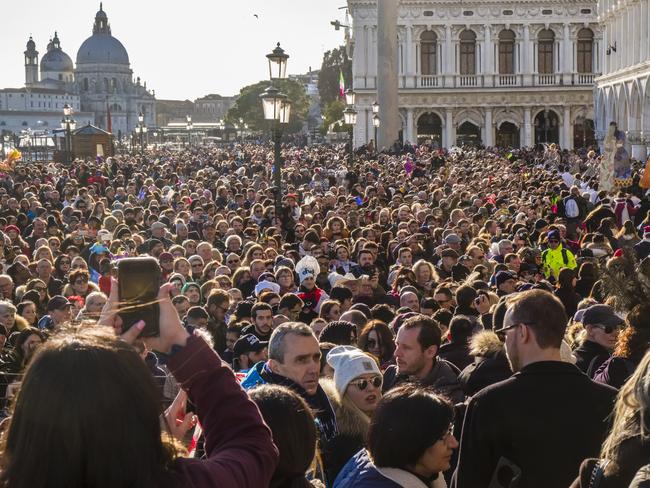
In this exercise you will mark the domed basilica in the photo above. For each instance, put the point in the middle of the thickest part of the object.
(102, 78)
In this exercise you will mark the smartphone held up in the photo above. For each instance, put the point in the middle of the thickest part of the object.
(139, 281)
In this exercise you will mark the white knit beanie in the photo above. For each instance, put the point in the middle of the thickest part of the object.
(349, 363)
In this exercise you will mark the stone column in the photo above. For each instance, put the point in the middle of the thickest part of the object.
(488, 132)
(488, 64)
(359, 57)
(567, 55)
(387, 83)
(450, 130)
(450, 58)
(410, 58)
(410, 133)
(528, 128)
(566, 142)
(527, 57)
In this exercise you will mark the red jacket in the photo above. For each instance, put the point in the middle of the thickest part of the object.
(238, 445)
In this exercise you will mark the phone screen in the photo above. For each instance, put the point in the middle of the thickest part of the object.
(139, 282)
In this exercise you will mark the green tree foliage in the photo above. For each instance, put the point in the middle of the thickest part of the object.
(249, 105)
(328, 79)
(334, 113)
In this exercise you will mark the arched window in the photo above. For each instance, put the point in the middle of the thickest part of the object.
(585, 51)
(85, 84)
(467, 53)
(506, 52)
(25, 124)
(428, 53)
(3, 123)
(545, 42)
(113, 85)
(106, 85)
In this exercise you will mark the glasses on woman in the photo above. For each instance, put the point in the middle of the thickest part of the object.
(40, 289)
(80, 281)
(608, 329)
(363, 383)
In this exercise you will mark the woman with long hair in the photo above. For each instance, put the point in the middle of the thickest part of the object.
(85, 376)
(627, 447)
(354, 394)
(39, 286)
(330, 310)
(377, 339)
(566, 291)
(632, 344)
(62, 265)
(627, 236)
(294, 433)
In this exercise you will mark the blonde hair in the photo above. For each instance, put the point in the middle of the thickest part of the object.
(631, 414)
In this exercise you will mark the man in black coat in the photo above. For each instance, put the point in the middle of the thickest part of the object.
(543, 421)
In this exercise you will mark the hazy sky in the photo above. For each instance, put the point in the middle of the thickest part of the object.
(183, 49)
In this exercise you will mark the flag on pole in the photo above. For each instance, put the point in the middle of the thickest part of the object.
(341, 84)
(109, 122)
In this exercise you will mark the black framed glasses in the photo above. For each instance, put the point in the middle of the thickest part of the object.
(363, 383)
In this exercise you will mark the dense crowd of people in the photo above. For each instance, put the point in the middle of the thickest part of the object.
(419, 318)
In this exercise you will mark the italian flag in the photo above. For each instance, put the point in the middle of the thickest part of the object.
(341, 84)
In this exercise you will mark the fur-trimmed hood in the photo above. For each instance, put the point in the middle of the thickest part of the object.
(486, 344)
(350, 422)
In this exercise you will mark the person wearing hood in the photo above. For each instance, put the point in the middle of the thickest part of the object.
(354, 394)
(312, 296)
(490, 363)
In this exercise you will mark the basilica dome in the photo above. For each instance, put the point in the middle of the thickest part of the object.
(102, 47)
(55, 59)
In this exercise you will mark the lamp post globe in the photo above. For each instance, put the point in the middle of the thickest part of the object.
(277, 63)
(350, 96)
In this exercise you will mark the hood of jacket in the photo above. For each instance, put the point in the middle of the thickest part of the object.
(349, 421)
(486, 344)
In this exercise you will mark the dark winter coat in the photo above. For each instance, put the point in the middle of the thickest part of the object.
(545, 419)
(443, 378)
(615, 371)
(634, 454)
(489, 367)
(590, 356)
(457, 354)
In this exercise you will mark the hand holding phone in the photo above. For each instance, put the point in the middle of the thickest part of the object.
(139, 280)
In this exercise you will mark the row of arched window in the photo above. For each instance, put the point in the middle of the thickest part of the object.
(506, 52)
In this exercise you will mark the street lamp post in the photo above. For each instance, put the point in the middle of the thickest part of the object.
(375, 121)
(68, 124)
(189, 126)
(141, 129)
(350, 119)
(277, 110)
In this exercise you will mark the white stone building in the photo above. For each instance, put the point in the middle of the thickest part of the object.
(101, 81)
(622, 93)
(501, 72)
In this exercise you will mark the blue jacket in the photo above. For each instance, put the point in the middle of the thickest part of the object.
(253, 377)
(360, 472)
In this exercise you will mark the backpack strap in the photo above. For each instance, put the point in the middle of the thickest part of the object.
(565, 256)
